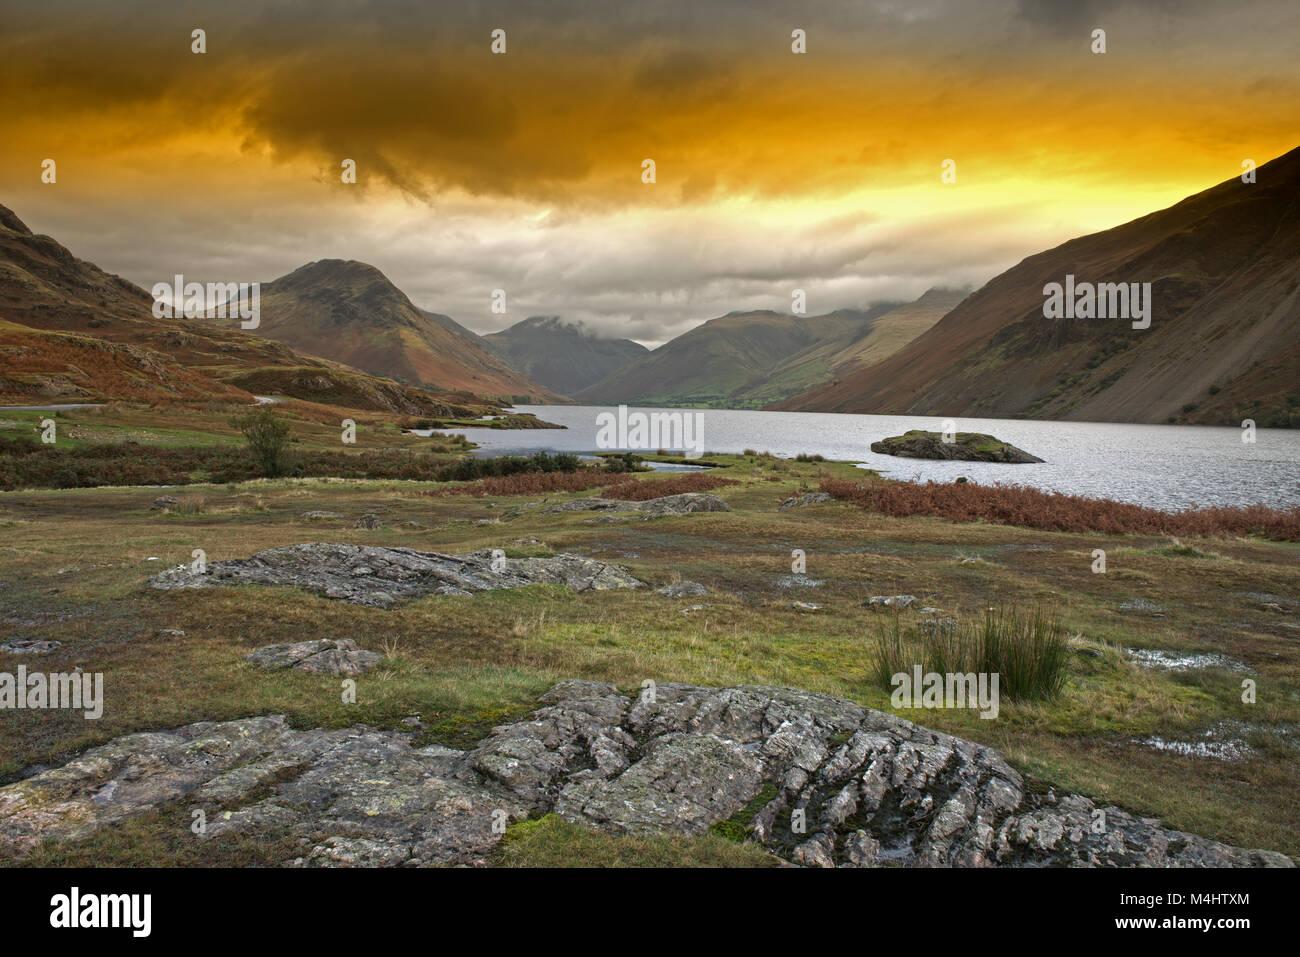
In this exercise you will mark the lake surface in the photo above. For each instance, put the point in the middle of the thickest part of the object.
(1160, 466)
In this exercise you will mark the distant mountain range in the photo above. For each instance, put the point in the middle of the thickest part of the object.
(750, 359)
(1223, 344)
(561, 355)
(350, 312)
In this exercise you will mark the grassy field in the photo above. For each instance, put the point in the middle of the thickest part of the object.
(73, 567)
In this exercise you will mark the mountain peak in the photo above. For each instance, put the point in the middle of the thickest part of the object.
(335, 271)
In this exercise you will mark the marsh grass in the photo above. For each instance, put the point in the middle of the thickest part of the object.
(1028, 650)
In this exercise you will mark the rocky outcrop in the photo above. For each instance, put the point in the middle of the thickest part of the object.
(323, 657)
(367, 575)
(965, 446)
(30, 646)
(818, 780)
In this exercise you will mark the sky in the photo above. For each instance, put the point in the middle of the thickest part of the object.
(523, 170)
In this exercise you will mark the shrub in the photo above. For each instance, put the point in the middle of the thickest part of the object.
(267, 438)
(625, 462)
(467, 470)
(633, 490)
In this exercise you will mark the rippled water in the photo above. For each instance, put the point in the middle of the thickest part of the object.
(1162, 466)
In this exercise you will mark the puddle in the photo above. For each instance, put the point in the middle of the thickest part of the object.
(1223, 742)
(1171, 661)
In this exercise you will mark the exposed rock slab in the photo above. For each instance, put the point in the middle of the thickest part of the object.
(368, 575)
(323, 657)
(30, 646)
(802, 501)
(872, 788)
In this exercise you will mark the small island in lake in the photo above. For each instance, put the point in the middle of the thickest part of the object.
(965, 446)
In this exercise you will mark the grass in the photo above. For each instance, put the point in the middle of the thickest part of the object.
(74, 564)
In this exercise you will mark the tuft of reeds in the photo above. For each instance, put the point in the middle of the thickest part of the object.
(1028, 650)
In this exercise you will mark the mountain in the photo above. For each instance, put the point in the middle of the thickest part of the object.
(560, 355)
(1223, 343)
(350, 312)
(874, 340)
(750, 359)
(70, 331)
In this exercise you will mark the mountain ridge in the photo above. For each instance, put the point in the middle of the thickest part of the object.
(749, 358)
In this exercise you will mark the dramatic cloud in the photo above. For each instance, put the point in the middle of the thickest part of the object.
(774, 171)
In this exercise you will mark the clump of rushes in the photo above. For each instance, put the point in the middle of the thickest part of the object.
(1026, 649)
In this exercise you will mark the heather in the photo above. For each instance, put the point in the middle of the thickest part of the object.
(1053, 511)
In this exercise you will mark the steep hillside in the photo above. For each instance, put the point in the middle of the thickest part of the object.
(350, 312)
(1223, 344)
(560, 355)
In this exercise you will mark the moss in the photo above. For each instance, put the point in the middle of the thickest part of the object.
(737, 827)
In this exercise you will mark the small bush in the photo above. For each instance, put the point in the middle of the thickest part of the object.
(625, 462)
(267, 438)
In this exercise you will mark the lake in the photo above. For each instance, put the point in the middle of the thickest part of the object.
(1160, 466)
